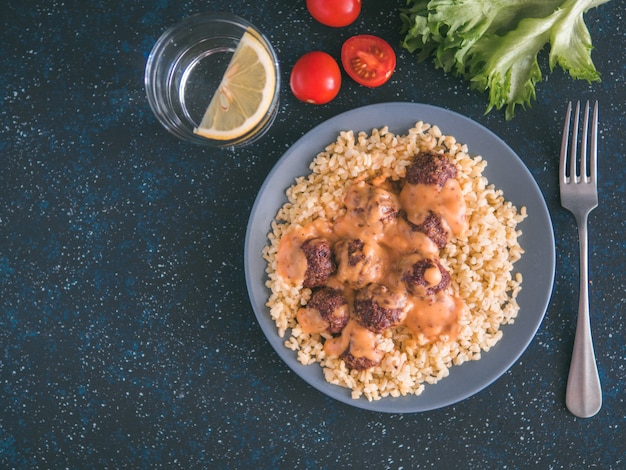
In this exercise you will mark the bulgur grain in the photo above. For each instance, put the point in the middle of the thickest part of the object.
(481, 262)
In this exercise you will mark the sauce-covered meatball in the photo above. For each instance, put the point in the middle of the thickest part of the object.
(320, 262)
(358, 262)
(432, 227)
(371, 203)
(430, 168)
(370, 211)
(356, 345)
(377, 308)
(332, 307)
(424, 276)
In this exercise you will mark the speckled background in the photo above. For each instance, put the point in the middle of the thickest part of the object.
(127, 339)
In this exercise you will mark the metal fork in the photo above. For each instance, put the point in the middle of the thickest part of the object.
(579, 194)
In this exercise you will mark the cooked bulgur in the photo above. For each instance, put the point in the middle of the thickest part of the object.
(481, 261)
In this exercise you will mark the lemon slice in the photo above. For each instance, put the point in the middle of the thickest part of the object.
(244, 95)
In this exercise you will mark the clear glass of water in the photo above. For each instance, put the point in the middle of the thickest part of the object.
(186, 66)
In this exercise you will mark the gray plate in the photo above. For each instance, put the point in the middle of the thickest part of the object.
(505, 170)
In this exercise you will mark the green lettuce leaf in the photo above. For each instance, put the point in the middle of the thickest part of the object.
(570, 41)
(495, 44)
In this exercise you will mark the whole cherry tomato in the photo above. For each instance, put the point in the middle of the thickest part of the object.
(335, 13)
(315, 78)
(368, 60)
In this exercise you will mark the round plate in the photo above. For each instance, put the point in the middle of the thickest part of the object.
(505, 170)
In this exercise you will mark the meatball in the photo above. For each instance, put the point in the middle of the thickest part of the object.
(332, 307)
(432, 227)
(430, 168)
(424, 275)
(373, 206)
(320, 262)
(377, 308)
(358, 262)
(358, 363)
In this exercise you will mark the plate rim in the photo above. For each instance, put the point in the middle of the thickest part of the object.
(371, 113)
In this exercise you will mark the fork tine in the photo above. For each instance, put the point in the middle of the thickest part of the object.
(583, 144)
(564, 144)
(593, 152)
(573, 175)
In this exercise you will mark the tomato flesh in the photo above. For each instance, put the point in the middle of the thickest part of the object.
(315, 78)
(368, 60)
(335, 13)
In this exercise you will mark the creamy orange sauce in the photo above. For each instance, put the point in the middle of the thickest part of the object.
(311, 321)
(291, 263)
(367, 212)
(418, 199)
(400, 238)
(355, 338)
(371, 269)
(390, 245)
(434, 316)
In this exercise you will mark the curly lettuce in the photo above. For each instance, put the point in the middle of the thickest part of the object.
(494, 44)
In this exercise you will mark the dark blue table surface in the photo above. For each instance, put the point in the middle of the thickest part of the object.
(126, 335)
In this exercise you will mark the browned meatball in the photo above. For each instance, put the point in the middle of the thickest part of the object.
(430, 168)
(425, 275)
(332, 306)
(377, 308)
(372, 206)
(358, 363)
(320, 262)
(432, 227)
(358, 262)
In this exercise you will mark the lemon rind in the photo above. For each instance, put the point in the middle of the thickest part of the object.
(252, 39)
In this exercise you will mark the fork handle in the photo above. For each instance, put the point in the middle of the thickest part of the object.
(584, 394)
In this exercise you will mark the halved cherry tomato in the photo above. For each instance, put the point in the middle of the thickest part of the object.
(315, 78)
(368, 60)
(335, 13)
